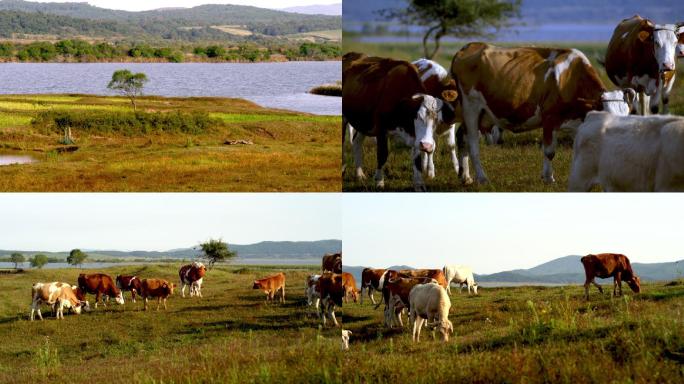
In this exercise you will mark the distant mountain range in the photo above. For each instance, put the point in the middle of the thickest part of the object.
(563, 270)
(264, 249)
(325, 9)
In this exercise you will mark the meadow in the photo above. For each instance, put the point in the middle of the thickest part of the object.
(514, 166)
(529, 335)
(228, 336)
(290, 151)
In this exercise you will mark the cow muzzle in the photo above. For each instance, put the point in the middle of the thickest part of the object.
(426, 146)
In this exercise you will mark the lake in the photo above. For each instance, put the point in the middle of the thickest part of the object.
(238, 261)
(9, 159)
(273, 85)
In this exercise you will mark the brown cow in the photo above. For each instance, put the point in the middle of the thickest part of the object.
(100, 284)
(349, 284)
(332, 291)
(129, 283)
(395, 294)
(192, 275)
(58, 296)
(370, 278)
(436, 274)
(159, 288)
(605, 265)
(271, 285)
(332, 262)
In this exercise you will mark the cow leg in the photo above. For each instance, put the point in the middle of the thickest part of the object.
(370, 294)
(472, 107)
(417, 325)
(282, 294)
(182, 288)
(549, 149)
(344, 132)
(644, 103)
(463, 157)
(362, 288)
(165, 303)
(357, 149)
(451, 145)
(617, 284)
(97, 299)
(145, 300)
(418, 183)
(382, 153)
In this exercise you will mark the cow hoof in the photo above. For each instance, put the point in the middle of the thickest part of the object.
(548, 180)
(380, 184)
(360, 176)
(467, 181)
(431, 175)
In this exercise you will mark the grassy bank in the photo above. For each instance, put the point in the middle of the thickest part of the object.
(175, 144)
(514, 166)
(530, 334)
(229, 335)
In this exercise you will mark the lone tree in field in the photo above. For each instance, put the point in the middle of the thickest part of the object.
(38, 261)
(128, 84)
(76, 257)
(17, 258)
(216, 250)
(459, 18)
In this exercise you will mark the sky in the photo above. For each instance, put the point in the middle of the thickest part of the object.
(497, 232)
(159, 222)
(143, 5)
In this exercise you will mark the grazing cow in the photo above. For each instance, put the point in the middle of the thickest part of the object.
(349, 284)
(641, 55)
(522, 89)
(628, 153)
(395, 294)
(271, 285)
(331, 290)
(159, 288)
(460, 274)
(370, 279)
(332, 262)
(436, 274)
(345, 339)
(192, 275)
(382, 96)
(605, 265)
(129, 283)
(100, 284)
(58, 296)
(430, 302)
(313, 296)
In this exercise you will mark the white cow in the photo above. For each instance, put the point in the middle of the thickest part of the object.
(56, 294)
(460, 274)
(430, 302)
(345, 339)
(629, 153)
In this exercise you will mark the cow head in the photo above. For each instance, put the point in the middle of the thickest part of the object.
(85, 305)
(119, 298)
(257, 284)
(665, 39)
(634, 283)
(618, 102)
(445, 328)
(427, 115)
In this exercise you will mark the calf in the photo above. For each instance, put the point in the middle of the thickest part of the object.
(332, 291)
(332, 263)
(100, 284)
(58, 295)
(192, 275)
(430, 302)
(349, 284)
(606, 265)
(395, 294)
(345, 339)
(628, 153)
(370, 278)
(460, 274)
(313, 296)
(271, 285)
(159, 288)
(129, 283)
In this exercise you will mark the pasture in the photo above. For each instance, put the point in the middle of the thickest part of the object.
(289, 151)
(229, 335)
(529, 334)
(514, 166)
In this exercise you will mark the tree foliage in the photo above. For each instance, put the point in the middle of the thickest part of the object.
(128, 84)
(460, 18)
(39, 260)
(17, 258)
(216, 251)
(76, 257)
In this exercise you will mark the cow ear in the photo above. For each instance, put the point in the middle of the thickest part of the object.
(644, 35)
(680, 28)
(418, 97)
(449, 95)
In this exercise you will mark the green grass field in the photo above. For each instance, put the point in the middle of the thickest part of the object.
(291, 152)
(228, 336)
(529, 335)
(514, 166)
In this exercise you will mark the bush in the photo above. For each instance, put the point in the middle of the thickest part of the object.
(215, 51)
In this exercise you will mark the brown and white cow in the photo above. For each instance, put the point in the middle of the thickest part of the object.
(58, 296)
(159, 288)
(192, 275)
(129, 283)
(520, 89)
(395, 294)
(271, 285)
(370, 280)
(606, 265)
(332, 262)
(436, 274)
(332, 291)
(642, 55)
(349, 284)
(313, 296)
(100, 284)
(383, 96)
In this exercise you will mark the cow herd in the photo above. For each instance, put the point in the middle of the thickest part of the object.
(489, 89)
(424, 294)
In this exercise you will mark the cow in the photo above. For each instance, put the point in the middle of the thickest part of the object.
(129, 283)
(313, 296)
(460, 274)
(345, 339)
(395, 294)
(383, 96)
(370, 278)
(349, 284)
(680, 44)
(271, 285)
(605, 265)
(436, 274)
(332, 291)
(430, 302)
(192, 275)
(520, 89)
(641, 55)
(100, 284)
(332, 262)
(159, 288)
(58, 296)
(628, 153)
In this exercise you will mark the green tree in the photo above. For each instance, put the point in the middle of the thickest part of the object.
(17, 258)
(39, 260)
(76, 257)
(215, 51)
(128, 84)
(460, 18)
(216, 251)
